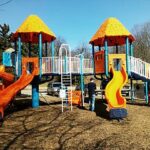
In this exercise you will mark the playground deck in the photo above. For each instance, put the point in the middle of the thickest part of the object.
(52, 65)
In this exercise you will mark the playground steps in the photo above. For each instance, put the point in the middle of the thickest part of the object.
(66, 76)
(66, 82)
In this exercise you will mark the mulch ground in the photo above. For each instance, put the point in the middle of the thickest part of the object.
(48, 128)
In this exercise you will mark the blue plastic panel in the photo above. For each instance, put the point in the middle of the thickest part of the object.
(7, 61)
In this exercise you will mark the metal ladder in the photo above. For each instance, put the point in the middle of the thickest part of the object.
(66, 76)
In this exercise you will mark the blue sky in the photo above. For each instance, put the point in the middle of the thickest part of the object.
(75, 20)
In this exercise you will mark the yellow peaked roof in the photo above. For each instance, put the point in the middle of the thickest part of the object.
(114, 31)
(30, 29)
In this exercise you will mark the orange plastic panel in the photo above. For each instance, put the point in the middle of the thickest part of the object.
(1, 87)
(33, 60)
(99, 62)
(76, 97)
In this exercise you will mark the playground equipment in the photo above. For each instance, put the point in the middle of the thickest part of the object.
(113, 33)
(8, 93)
(66, 77)
(34, 31)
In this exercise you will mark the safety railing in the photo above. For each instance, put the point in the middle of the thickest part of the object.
(52, 65)
(88, 66)
(139, 67)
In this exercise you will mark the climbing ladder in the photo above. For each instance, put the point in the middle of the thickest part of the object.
(66, 76)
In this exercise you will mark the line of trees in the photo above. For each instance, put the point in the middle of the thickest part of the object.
(5, 38)
(142, 43)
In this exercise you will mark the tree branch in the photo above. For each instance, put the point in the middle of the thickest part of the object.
(6, 2)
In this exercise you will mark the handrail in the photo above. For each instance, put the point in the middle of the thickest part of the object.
(140, 67)
(49, 67)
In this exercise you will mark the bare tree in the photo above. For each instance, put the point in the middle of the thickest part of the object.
(83, 49)
(142, 43)
(5, 2)
(60, 40)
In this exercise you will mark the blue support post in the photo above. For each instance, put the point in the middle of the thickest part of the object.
(106, 58)
(53, 54)
(35, 92)
(15, 57)
(40, 54)
(132, 90)
(131, 49)
(82, 78)
(19, 57)
(146, 92)
(127, 55)
(93, 62)
(118, 64)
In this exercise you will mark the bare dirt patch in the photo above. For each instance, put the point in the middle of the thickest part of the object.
(47, 128)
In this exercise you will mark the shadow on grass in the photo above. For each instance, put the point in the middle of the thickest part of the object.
(100, 109)
(20, 103)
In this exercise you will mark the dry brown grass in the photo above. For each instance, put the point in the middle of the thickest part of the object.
(47, 128)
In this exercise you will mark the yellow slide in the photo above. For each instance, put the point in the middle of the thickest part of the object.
(113, 89)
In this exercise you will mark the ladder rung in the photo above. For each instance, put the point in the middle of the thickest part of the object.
(67, 99)
(65, 74)
(66, 79)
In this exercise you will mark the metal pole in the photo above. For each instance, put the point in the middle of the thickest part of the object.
(35, 82)
(146, 92)
(93, 63)
(29, 55)
(117, 59)
(82, 78)
(15, 61)
(53, 54)
(35, 92)
(131, 84)
(127, 55)
(19, 56)
(106, 58)
(66, 63)
(131, 49)
(40, 54)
